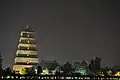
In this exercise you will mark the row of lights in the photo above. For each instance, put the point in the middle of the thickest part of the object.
(38, 77)
(33, 77)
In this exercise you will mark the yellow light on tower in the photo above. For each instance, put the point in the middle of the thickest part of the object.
(28, 48)
(28, 35)
(27, 62)
(21, 34)
(20, 40)
(28, 41)
(27, 54)
(23, 72)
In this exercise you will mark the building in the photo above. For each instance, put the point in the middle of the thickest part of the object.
(26, 55)
(48, 67)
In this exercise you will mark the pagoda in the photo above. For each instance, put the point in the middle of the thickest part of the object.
(26, 54)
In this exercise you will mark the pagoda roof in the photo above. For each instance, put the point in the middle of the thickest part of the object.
(27, 29)
(51, 65)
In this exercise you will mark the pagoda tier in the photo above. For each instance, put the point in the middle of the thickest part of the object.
(26, 52)
(26, 55)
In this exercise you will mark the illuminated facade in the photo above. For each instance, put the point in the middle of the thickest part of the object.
(26, 55)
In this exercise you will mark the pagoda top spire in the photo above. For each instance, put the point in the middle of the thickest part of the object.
(26, 26)
(28, 29)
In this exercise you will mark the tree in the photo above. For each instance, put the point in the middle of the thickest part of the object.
(76, 65)
(92, 67)
(83, 69)
(67, 68)
(2, 72)
(97, 63)
(30, 71)
(58, 70)
(39, 70)
(7, 71)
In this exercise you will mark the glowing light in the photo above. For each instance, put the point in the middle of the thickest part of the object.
(8, 76)
(28, 41)
(28, 35)
(46, 71)
(28, 32)
(28, 48)
(118, 73)
(109, 73)
(27, 54)
(21, 34)
(18, 68)
(27, 62)
(23, 38)
(23, 72)
(36, 71)
(19, 40)
(101, 74)
(26, 45)
(22, 59)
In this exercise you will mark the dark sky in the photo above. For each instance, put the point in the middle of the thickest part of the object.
(66, 30)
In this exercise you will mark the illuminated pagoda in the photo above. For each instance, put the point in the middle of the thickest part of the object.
(26, 55)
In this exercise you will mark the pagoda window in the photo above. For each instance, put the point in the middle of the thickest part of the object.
(27, 35)
(28, 41)
(27, 55)
(27, 48)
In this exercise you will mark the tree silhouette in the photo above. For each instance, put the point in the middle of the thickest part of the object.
(2, 72)
(39, 70)
(67, 68)
(97, 63)
(91, 66)
(7, 71)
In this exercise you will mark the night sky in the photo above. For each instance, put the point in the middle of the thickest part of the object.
(66, 30)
